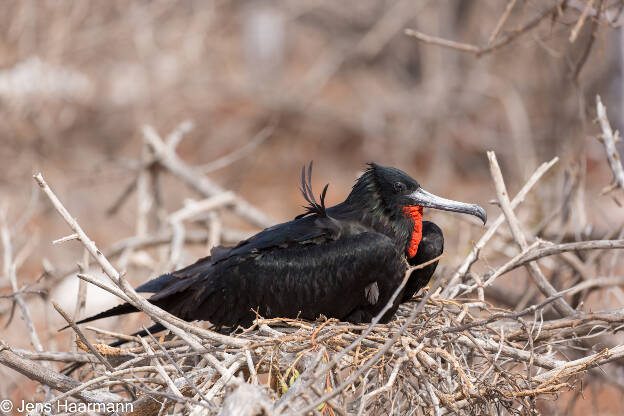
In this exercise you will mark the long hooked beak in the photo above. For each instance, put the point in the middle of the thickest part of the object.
(428, 200)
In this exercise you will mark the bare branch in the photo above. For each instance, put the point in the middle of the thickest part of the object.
(199, 182)
(502, 20)
(474, 253)
(51, 378)
(608, 139)
(434, 40)
(536, 274)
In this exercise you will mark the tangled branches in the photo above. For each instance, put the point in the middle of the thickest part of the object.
(462, 357)
(453, 351)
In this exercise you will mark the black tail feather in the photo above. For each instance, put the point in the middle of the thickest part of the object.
(122, 309)
(152, 330)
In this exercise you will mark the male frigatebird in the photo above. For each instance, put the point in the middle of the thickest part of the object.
(342, 262)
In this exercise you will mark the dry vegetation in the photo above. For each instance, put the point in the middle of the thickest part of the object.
(523, 316)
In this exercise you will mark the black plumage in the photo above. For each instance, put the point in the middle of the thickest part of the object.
(343, 262)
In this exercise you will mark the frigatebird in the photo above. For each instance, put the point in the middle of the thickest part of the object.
(342, 262)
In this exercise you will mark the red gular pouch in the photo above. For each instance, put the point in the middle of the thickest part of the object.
(415, 213)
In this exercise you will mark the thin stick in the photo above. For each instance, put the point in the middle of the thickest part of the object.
(502, 20)
(509, 265)
(144, 198)
(434, 40)
(206, 205)
(198, 181)
(588, 47)
(160, 369)
(538, 253)
(606, 355)
(84, 339)
(609, 139)
(480, 51)
(240, 153)
(51, 378)
(9, 271)
(67, 357)
(581, 21)
(130, 295)
(80, 388)
(170, 322)
(110, 289)
(474, 253)
(81, 297)
(112, 334)
(177, 367)
(534, 271)
(65, 239)
(84, 239)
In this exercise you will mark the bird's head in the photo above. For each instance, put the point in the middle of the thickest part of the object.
(391, 190)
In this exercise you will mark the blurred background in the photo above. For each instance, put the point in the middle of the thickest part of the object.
(271, 85)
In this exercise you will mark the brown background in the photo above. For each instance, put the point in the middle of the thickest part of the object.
(335, 82)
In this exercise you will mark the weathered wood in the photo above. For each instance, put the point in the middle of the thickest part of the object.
(247, 400)
(51, 378)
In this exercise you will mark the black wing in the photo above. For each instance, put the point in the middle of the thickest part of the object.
(304, 236)
(333, 279)
(313, 226)
(309, 230)
(350, 278)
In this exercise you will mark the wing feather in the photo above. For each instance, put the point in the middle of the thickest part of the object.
(332, 279)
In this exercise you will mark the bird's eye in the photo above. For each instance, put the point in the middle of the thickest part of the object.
(399, 187)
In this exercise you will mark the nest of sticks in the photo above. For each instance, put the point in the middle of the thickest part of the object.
(450, 351)
(438, 356)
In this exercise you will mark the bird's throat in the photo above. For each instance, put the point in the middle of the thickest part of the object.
(415, 213)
